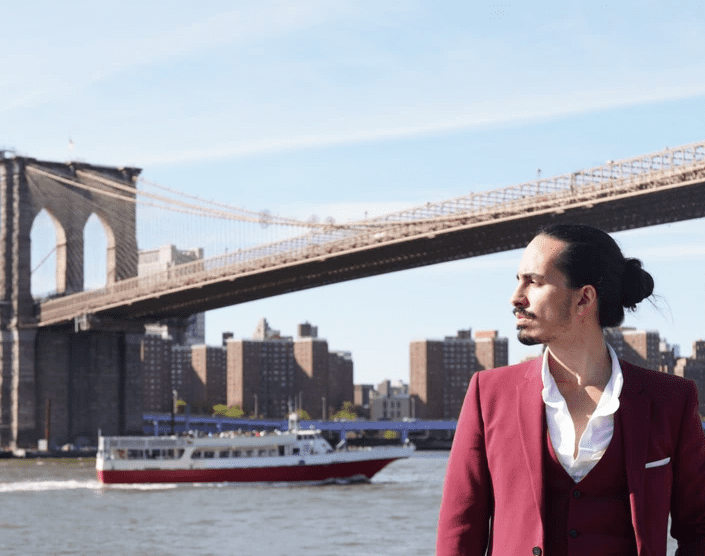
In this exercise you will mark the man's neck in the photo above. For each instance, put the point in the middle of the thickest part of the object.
(580, 364)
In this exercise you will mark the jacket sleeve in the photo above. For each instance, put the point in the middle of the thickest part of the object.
(688, 493)
(467, 503)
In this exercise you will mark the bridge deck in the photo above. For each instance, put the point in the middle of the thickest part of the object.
(664, 187)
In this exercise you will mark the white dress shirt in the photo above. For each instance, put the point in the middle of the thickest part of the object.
(600, 427)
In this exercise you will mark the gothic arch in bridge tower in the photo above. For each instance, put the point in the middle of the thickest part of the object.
(46, 236)
(70, 193)
(98, 252)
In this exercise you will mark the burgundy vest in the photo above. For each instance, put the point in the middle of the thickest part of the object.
(592, 516)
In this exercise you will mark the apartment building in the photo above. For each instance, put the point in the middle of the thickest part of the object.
(440, 370)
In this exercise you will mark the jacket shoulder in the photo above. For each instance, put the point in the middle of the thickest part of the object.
(656, 383)
(511, 373)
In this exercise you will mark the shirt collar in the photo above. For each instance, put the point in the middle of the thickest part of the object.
(609, 400)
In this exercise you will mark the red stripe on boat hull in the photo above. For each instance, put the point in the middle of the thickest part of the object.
(247, 475)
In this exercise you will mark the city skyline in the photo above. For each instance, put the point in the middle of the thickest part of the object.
(342, 109)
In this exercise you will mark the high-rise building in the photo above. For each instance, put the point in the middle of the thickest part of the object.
(491, 350)
(638, 347)
(361, 395)
(699, 350)
(440, 370)
(209, 375)
(156, 358)
(312, 361)
(162, 260)
(182, 377)
(668, 355)
(261, 375)
(693, 368)
(271, 374)
(340, 380)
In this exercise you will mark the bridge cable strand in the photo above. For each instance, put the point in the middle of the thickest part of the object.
(266, 217)
(259, 217)
(664, 171)
(189, 209)
(45, 259)
(206, 211)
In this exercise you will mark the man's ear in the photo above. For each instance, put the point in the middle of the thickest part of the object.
(587, 301)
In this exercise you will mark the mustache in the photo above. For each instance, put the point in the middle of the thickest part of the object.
(523, 313)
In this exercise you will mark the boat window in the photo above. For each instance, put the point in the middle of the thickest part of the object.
(236, 454)
(135, 454)
(262, 453)
(281, 450)
(196, 454)
(225, 453)
(296, 451)
(209, 454)
(248, 453)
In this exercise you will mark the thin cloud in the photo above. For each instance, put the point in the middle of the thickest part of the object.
(428, 120)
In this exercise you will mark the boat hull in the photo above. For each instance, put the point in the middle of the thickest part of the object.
(291, 473)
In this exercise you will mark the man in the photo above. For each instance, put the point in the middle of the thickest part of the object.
(575, 452)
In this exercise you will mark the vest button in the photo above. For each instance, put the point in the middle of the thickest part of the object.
(576, 494)
(573, 533)
(536, 551)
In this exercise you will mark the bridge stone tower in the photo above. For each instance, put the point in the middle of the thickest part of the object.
(90, 377)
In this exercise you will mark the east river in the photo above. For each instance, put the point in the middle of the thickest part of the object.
(57, 507)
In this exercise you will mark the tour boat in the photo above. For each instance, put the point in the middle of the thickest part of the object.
(293, 455)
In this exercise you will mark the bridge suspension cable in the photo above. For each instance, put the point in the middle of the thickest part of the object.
(627, 180)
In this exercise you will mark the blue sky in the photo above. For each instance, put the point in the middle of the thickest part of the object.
(340, 108)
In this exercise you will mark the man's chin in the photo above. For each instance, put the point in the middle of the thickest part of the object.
(527, 340)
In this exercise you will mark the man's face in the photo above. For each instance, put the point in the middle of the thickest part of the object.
(542, 301)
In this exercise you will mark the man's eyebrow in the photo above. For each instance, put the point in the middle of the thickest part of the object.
(530, 275)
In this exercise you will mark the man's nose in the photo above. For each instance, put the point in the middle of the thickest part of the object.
(518, 298)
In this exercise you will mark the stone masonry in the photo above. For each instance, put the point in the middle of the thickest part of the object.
(91, 376)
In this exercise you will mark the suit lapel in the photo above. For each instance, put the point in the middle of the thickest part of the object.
(530, 416)
(635, 415)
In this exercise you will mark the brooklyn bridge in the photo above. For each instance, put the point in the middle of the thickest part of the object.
(80, 349)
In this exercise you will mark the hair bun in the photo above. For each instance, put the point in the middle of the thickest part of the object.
(637, 284)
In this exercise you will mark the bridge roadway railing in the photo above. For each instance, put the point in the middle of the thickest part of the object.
(659, 171)
(160, 424)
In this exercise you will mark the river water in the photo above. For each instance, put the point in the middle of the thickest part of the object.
(57, 507)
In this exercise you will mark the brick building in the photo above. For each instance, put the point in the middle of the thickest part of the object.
(638, 347)
(208, 379)
(155, 355)
(440, 370)
(340, 380)
(693, 368)
(361, 395)
(491, 351)
(196, 372)
(312, 361)
(271, 374)
(261, 376)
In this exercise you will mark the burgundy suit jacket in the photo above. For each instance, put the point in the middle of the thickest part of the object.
(493, 495)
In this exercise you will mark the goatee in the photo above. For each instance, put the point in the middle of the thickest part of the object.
(527, 340)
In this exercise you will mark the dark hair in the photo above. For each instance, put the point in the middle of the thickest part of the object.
(592, 257)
